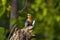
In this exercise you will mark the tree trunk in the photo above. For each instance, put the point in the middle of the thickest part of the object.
(13, 15)
(13, 11)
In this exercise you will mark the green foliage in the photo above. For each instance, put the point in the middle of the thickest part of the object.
(2, 6)
(2, 36)
(45, 12)
(13, 21)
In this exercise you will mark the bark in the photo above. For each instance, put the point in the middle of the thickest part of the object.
(13, 15)
(13, 11)
(22, 35)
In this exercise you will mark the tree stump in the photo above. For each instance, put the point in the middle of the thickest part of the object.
(21, 34)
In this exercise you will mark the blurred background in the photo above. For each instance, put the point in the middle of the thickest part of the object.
(45, 12)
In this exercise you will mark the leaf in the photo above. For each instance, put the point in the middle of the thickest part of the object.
(2, 10)
(58, 18)
(13, 21)
(44, 12)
